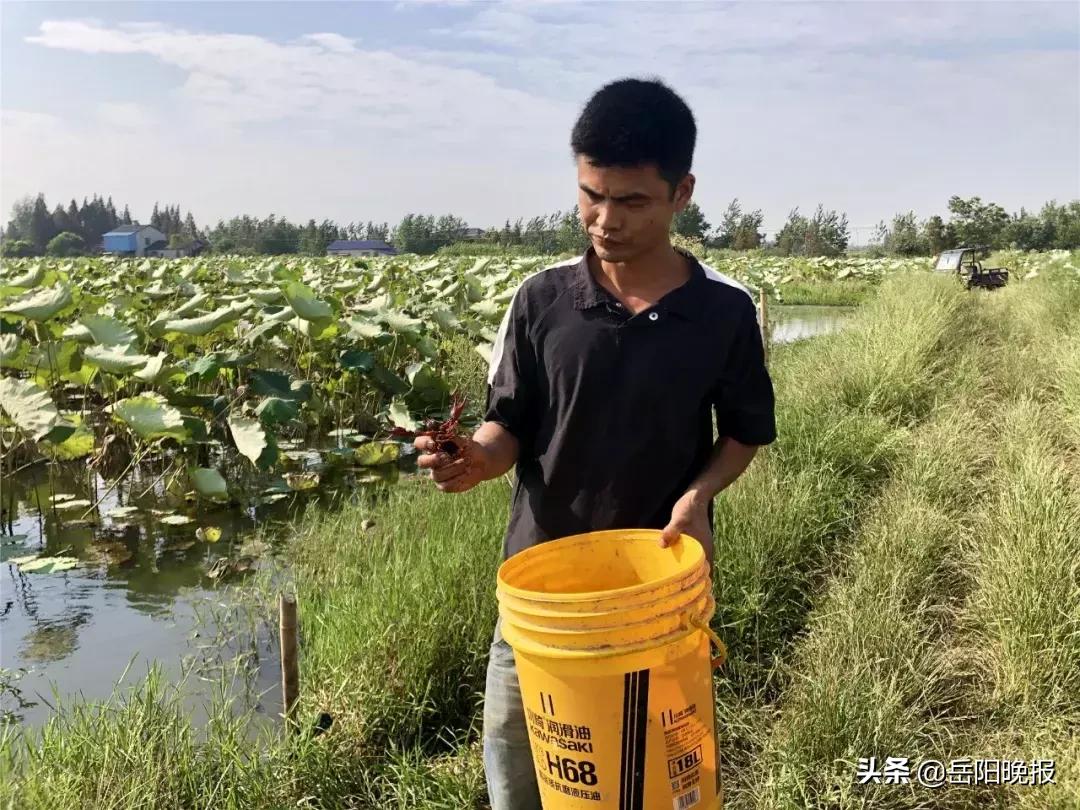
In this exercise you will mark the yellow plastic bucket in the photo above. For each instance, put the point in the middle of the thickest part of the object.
(611, 639)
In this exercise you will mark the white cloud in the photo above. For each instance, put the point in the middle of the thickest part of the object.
(243, 79)
(88, 36)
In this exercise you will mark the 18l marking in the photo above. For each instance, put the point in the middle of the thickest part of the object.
(680, 765)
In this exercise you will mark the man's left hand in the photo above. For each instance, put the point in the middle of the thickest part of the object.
(690, 515)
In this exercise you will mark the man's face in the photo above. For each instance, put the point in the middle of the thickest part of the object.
(627, 211)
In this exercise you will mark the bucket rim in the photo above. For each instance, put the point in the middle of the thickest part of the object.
(692, 606)
(519, 641)
(694, 549)
(541, 606)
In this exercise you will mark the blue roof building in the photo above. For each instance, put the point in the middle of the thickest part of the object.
(132, 240)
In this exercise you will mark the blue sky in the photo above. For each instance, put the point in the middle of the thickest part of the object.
(357, 111)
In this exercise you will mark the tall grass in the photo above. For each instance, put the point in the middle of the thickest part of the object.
(832, 292)
(140, 751)
(1020, 642)
(397, 619)
(846, 404)
(863, 682)
(958, 603)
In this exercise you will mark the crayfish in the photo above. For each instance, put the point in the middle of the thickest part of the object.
(445, 434)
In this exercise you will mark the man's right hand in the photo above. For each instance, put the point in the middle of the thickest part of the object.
(460, 474)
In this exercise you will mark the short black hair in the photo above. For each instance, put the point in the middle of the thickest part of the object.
(631, 122)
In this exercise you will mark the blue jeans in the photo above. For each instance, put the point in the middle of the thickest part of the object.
(508, 761)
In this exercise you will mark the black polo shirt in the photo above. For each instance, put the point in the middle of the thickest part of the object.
(613, 411)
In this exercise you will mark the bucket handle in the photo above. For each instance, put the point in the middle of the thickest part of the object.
(721, 649)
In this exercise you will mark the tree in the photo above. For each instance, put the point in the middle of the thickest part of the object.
(413, 234)
(571, 236)
(125, 219)
(448, 229)
(375, 231)
(66, 244)
(739, 230)
(61, 221)
(825, 234)
(76, 224)
(308, 239)
(748, 234)
(42, 228)
(314, 239)
(190, 229)
(880, 237)
(424, 234)
(22, 212)
(935, 235)
(95, 220)
(690, 222)
(276, 236)
(729, 224)
(1064, 222)
(903, 237)
(978, 224)
(17, 249)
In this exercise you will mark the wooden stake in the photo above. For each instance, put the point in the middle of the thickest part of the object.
(290, 668)
(764, 323)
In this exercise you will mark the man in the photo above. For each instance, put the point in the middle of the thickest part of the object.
(605, 375)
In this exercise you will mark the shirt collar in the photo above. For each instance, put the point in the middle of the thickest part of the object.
(684, 300)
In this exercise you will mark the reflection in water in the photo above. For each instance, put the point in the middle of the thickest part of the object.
(790, 323)
(52, 642)
(141, 591)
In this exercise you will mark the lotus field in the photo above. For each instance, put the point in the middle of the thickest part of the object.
(194, 360)
(207, 361)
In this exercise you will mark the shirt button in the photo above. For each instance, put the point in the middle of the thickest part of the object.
(653, 316)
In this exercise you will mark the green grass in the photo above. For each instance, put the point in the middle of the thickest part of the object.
(842, 292)
(896, 576)
(862, 681)
(398, 619)
(140, 752)
(958, 605)
(466, 371)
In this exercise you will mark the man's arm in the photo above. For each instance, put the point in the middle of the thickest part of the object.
(690, 515)
(728, 461)
(499, 448)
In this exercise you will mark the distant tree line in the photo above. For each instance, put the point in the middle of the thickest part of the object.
(971, 223)
(560, 232)
(974, 223)
(34, 229)
(823, 234)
